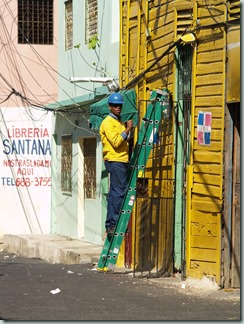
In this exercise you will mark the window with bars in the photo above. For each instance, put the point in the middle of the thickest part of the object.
(91, 19)
(90, 167)
(68, 25)
(66, 163)
(184, 68)
(35, 22)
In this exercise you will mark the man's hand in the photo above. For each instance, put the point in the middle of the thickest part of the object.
(129, 126)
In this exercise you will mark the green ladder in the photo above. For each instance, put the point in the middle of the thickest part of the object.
(147, 137)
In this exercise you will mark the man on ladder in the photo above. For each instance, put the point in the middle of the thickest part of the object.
(147, 137)
(115, 135)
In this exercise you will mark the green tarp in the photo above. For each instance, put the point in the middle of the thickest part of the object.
(99, 110)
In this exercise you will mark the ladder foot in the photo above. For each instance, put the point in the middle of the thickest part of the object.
(102, 269)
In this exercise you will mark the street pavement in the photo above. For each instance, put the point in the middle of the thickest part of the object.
(33, 289)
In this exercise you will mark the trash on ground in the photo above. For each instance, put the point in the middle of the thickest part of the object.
(70, 271)
(55, 291)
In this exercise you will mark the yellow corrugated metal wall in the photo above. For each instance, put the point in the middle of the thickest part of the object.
(205, 172)
(145, 34)
(143, 39)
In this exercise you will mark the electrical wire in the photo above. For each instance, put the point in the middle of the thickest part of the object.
(24, 97)
(11, 93)
(126, 87)
(41, 60)
(194, 30)
(76, 126)
(13, 62)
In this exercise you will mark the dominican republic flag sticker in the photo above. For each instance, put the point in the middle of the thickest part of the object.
(204, 127)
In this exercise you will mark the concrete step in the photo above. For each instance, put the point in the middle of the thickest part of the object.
(52, 248)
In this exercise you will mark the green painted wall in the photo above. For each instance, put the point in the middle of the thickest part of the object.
(72, 215)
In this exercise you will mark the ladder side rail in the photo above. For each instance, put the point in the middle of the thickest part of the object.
(142, 131)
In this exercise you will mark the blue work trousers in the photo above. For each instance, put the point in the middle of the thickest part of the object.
(117, 190)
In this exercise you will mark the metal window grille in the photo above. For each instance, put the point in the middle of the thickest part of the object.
(91, 19)
(35, 21)
(68, 25)
(66, 163)
(90, 167)
(184, 66)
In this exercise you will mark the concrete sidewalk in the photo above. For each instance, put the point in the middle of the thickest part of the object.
(52, 248)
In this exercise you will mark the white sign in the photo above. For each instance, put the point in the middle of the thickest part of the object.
(25, 178)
